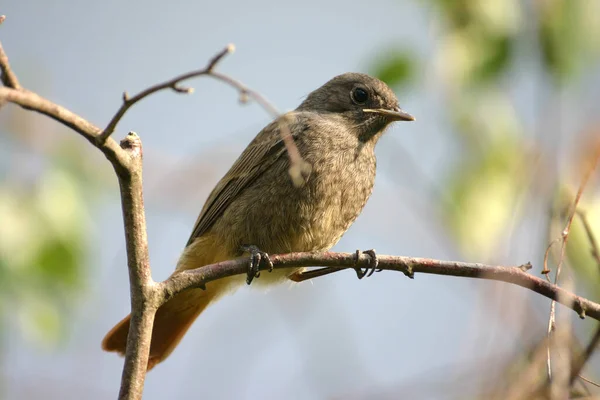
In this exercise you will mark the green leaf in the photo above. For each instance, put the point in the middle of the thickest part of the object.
(396, 68)
(568, 34)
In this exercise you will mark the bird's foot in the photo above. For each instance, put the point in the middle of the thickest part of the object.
(369, 270)
(257, 257)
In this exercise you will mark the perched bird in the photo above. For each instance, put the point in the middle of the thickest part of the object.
(256, 207)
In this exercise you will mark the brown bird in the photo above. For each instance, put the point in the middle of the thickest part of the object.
(257, 206)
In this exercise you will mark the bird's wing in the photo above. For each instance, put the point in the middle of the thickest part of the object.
(260, 154)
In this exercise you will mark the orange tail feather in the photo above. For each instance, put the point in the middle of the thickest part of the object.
(170, 324)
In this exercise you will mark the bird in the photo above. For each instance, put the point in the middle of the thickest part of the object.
(257, 208)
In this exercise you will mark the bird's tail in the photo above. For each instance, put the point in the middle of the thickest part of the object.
(174, 318)
(171, 323)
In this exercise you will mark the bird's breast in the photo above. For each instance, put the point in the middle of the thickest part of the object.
(334, 195)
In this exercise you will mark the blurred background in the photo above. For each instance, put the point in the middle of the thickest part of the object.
(506, 95)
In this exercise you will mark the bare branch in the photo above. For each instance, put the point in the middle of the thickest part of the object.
(32, 101)
(298, 167)
(579, 362)
(172, 84)
(143, 306)
(9, 79)
(516, 275)
(565, 238)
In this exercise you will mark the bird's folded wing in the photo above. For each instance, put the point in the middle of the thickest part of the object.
(260, 154)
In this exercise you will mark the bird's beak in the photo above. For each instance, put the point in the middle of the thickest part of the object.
(392, 115)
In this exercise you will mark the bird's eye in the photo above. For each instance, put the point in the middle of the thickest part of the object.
(360, 95)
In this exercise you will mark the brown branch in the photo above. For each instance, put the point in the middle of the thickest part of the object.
(299, 168)
(579, 362)
(516, 275)
(8, 77)
(33, 102)
(172, 84)
(143, 300)
(564, 238)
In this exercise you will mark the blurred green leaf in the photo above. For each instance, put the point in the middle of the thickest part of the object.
(43, 249)
(470, 57)
(495, 53)
(485, 188)
(59, 262)
(568, 34)
(484, 196)
(396, 68)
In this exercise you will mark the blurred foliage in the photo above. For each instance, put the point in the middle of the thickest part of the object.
(45, 227)
(568, 32)
(479, 44)
(480, 48)
(396, 68)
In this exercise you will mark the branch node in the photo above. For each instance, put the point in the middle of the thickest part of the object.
(299, 172)
(230, 48)
(2, 18)
(409, 271)
(244, 98)
(182, 89)
(581, 311)
(125, 97)
(526, 267)
(132, 143)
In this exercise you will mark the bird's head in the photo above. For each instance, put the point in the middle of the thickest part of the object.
(366, 103)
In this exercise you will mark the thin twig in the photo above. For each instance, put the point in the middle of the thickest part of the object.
(565, 238)
(286, 135)
(579, 362)
(9, 79)
(591, 382)
(298, 167)
(170, 84)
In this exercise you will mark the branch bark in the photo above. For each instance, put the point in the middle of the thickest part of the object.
(143, 301)
(409, 266)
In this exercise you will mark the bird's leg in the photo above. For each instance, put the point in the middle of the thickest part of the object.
(256, 258)
(369, 270)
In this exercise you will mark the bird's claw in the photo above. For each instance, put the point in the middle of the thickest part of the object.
(257, 257)
(369, 270)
